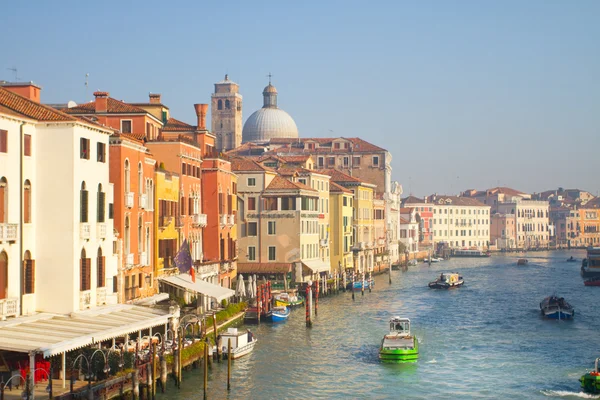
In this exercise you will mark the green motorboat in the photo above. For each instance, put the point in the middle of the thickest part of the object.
(399, 345)
(590, 382)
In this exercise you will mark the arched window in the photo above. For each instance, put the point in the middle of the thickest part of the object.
(220, 105)
(127, 184)
(100, 214)
(83, 203)
(3, 275)
(85, 269)
(28, 274)
(147, 247)
(140, 235)
(27, 202)
(3, 200)
(140, 179)
(101, 278)
(227, 104)
(126, 237)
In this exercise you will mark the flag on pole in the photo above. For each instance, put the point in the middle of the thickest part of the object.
(183, 260)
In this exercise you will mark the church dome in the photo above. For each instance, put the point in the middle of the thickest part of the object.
(270, 121)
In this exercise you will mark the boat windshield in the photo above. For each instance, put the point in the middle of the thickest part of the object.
(400, 326)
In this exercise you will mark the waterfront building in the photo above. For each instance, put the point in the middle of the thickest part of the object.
(495, 196)
(56, 240)
(532, 222)
(166, 233)
(503, 231)
(589, 223)
(270, 121)
(380, 233)
(566, 221)
(131, 169)
(461, 222)
(394, 200)
(409, 230)
(363, 218)
(342, 222)
(226, 115)
(424, 217)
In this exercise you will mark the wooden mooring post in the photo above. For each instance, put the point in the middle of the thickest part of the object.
(215, 330)
(229, 364)
(205, 370)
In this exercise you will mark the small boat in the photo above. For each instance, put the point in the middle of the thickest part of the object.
(592, 281)
(288, 300)
(433, 259)
(590, 382)
(278, 314)
(571, 259)
(471, 253)
(412, 262)
(399, 345)
(522, 261)
(242, 343)
(555, 307)
(447, 281)
(359, 284)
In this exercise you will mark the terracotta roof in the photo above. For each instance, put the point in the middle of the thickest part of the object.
(279, 183)
(592, 204)
(269, 157)
(406, 210)
(413, 200)
(454, 201)
(334, 187)
(505, 190)
(27, 108)
(242, 164)
(113, 107)
(295, 159)
(404, 221)
(339, 176)
(177, 125)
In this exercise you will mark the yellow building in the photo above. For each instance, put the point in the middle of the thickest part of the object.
(167, 209)
(340, 216)
(589, 223)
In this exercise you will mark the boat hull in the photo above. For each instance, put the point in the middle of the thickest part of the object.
(400, 355)
(592, 282)
(240, 351)
(445, 285)
(590, 382)
(279, 316)
(358, 285)
(558, 314)
(283, 303)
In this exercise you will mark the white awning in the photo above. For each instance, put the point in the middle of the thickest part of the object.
(52, 334)
(317, 266)
(208, 289)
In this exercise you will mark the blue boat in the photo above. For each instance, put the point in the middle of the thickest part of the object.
(358, 284)
(555, 307)
(278, 314)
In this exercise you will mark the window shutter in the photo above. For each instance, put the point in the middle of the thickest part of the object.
(84, 206)
(3, 141)
(190, 205)
(101, 272)
(27, 205)
(2, 211)
(101, 198)
(115, 285)
(182, 205)
(88, 282)
(111, 211)
(82, 273)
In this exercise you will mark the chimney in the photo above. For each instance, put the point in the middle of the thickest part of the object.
(26, 89)
(201, 114)
(154, 98)
(101, 101)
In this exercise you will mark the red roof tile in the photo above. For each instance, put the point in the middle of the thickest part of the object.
(242, 164)
(339, 176)
(113, 107)
(279, 183)
(176, 125)
(334, 187)
(31, 109)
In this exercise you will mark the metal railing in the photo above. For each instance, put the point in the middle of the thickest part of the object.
(85, 299)
(100, 296)
(199, 220)
(9, 308)
(231, 220)
(144, 258)
(129, 260)
(129, 199)
(101, 230)
(223, 220)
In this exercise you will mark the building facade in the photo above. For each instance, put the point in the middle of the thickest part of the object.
(341, 217)
(424, 216)
(166, 208)
(533, 230)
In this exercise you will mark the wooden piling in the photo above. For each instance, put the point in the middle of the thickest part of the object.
(215, 330)
(390, 273)
(163, 373)
(229, 364)
(205, 370)
(362, 284)
(317, 297)
(308, 305)
(370, 281)
(153, 371)
(136, 384)
(179, 359)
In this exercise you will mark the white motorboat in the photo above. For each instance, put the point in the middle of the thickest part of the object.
(242, 342)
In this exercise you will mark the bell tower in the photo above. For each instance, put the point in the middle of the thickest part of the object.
(226, 115)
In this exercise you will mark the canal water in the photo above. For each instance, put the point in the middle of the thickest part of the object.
(486, 339)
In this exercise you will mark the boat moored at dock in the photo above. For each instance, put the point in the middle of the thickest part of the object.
(278, 314)
(447, 281)
(242, 342)
(288, 300)
(590, 266)
(471, 253)
(399, 345)
(555, 307)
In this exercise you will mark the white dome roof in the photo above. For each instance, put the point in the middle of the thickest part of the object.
(268, 123)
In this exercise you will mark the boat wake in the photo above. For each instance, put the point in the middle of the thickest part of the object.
(565, 393)
(434, 361)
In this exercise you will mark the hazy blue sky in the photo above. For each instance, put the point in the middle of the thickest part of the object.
(464, 94)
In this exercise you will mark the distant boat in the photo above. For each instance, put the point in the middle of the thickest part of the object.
(399, 345)
(522, 261)
(571, 259)
(590, 382)
(555, 307)
(359, 284)
(288, 300)
(592, 281)
(242, 343)
(471, 253)
(433, 259)
(278, 314)
(447, 281)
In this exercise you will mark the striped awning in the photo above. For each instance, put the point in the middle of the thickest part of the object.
(184, 281)
(264, 268)
(52, 334)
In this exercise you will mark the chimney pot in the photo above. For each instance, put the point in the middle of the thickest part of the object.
(154, 98)
(101, 101)
(26, 89)
(201, 110)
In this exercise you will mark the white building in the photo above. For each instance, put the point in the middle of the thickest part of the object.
(56, 242)
(409, 230)
(393, 204)
(461, 222)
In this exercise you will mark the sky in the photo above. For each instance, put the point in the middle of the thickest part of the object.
(464, 94)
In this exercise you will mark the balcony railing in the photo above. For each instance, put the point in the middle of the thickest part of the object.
(164, 221)
(323, 242)
(85, 299)
(84, 231)
(100, 296)
(8, 231)
(144, 258)
(231, 220)
(129, 260)
(9, 308)
(179, 222)
(101, 230)
(199, 220)
(223, 220)
(359, 246)
(143, 201)
(129, 199)
(208, 269)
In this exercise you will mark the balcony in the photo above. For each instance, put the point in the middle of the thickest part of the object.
(359, 246)
(205, 270)
(144, 258)
(179, 222)
(129, 260)
(143, 201)
(85, 231)
(199, 220)
(164, 221)
(380, 242)
(100, 296)
(129, 199)
(8, 232)
(231, 220)
(101, 231)
(323, 242)
(9, 308)
(85, 299)
(223, 220)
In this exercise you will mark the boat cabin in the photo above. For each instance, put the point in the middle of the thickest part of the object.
(400, 325)
(238, 338)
